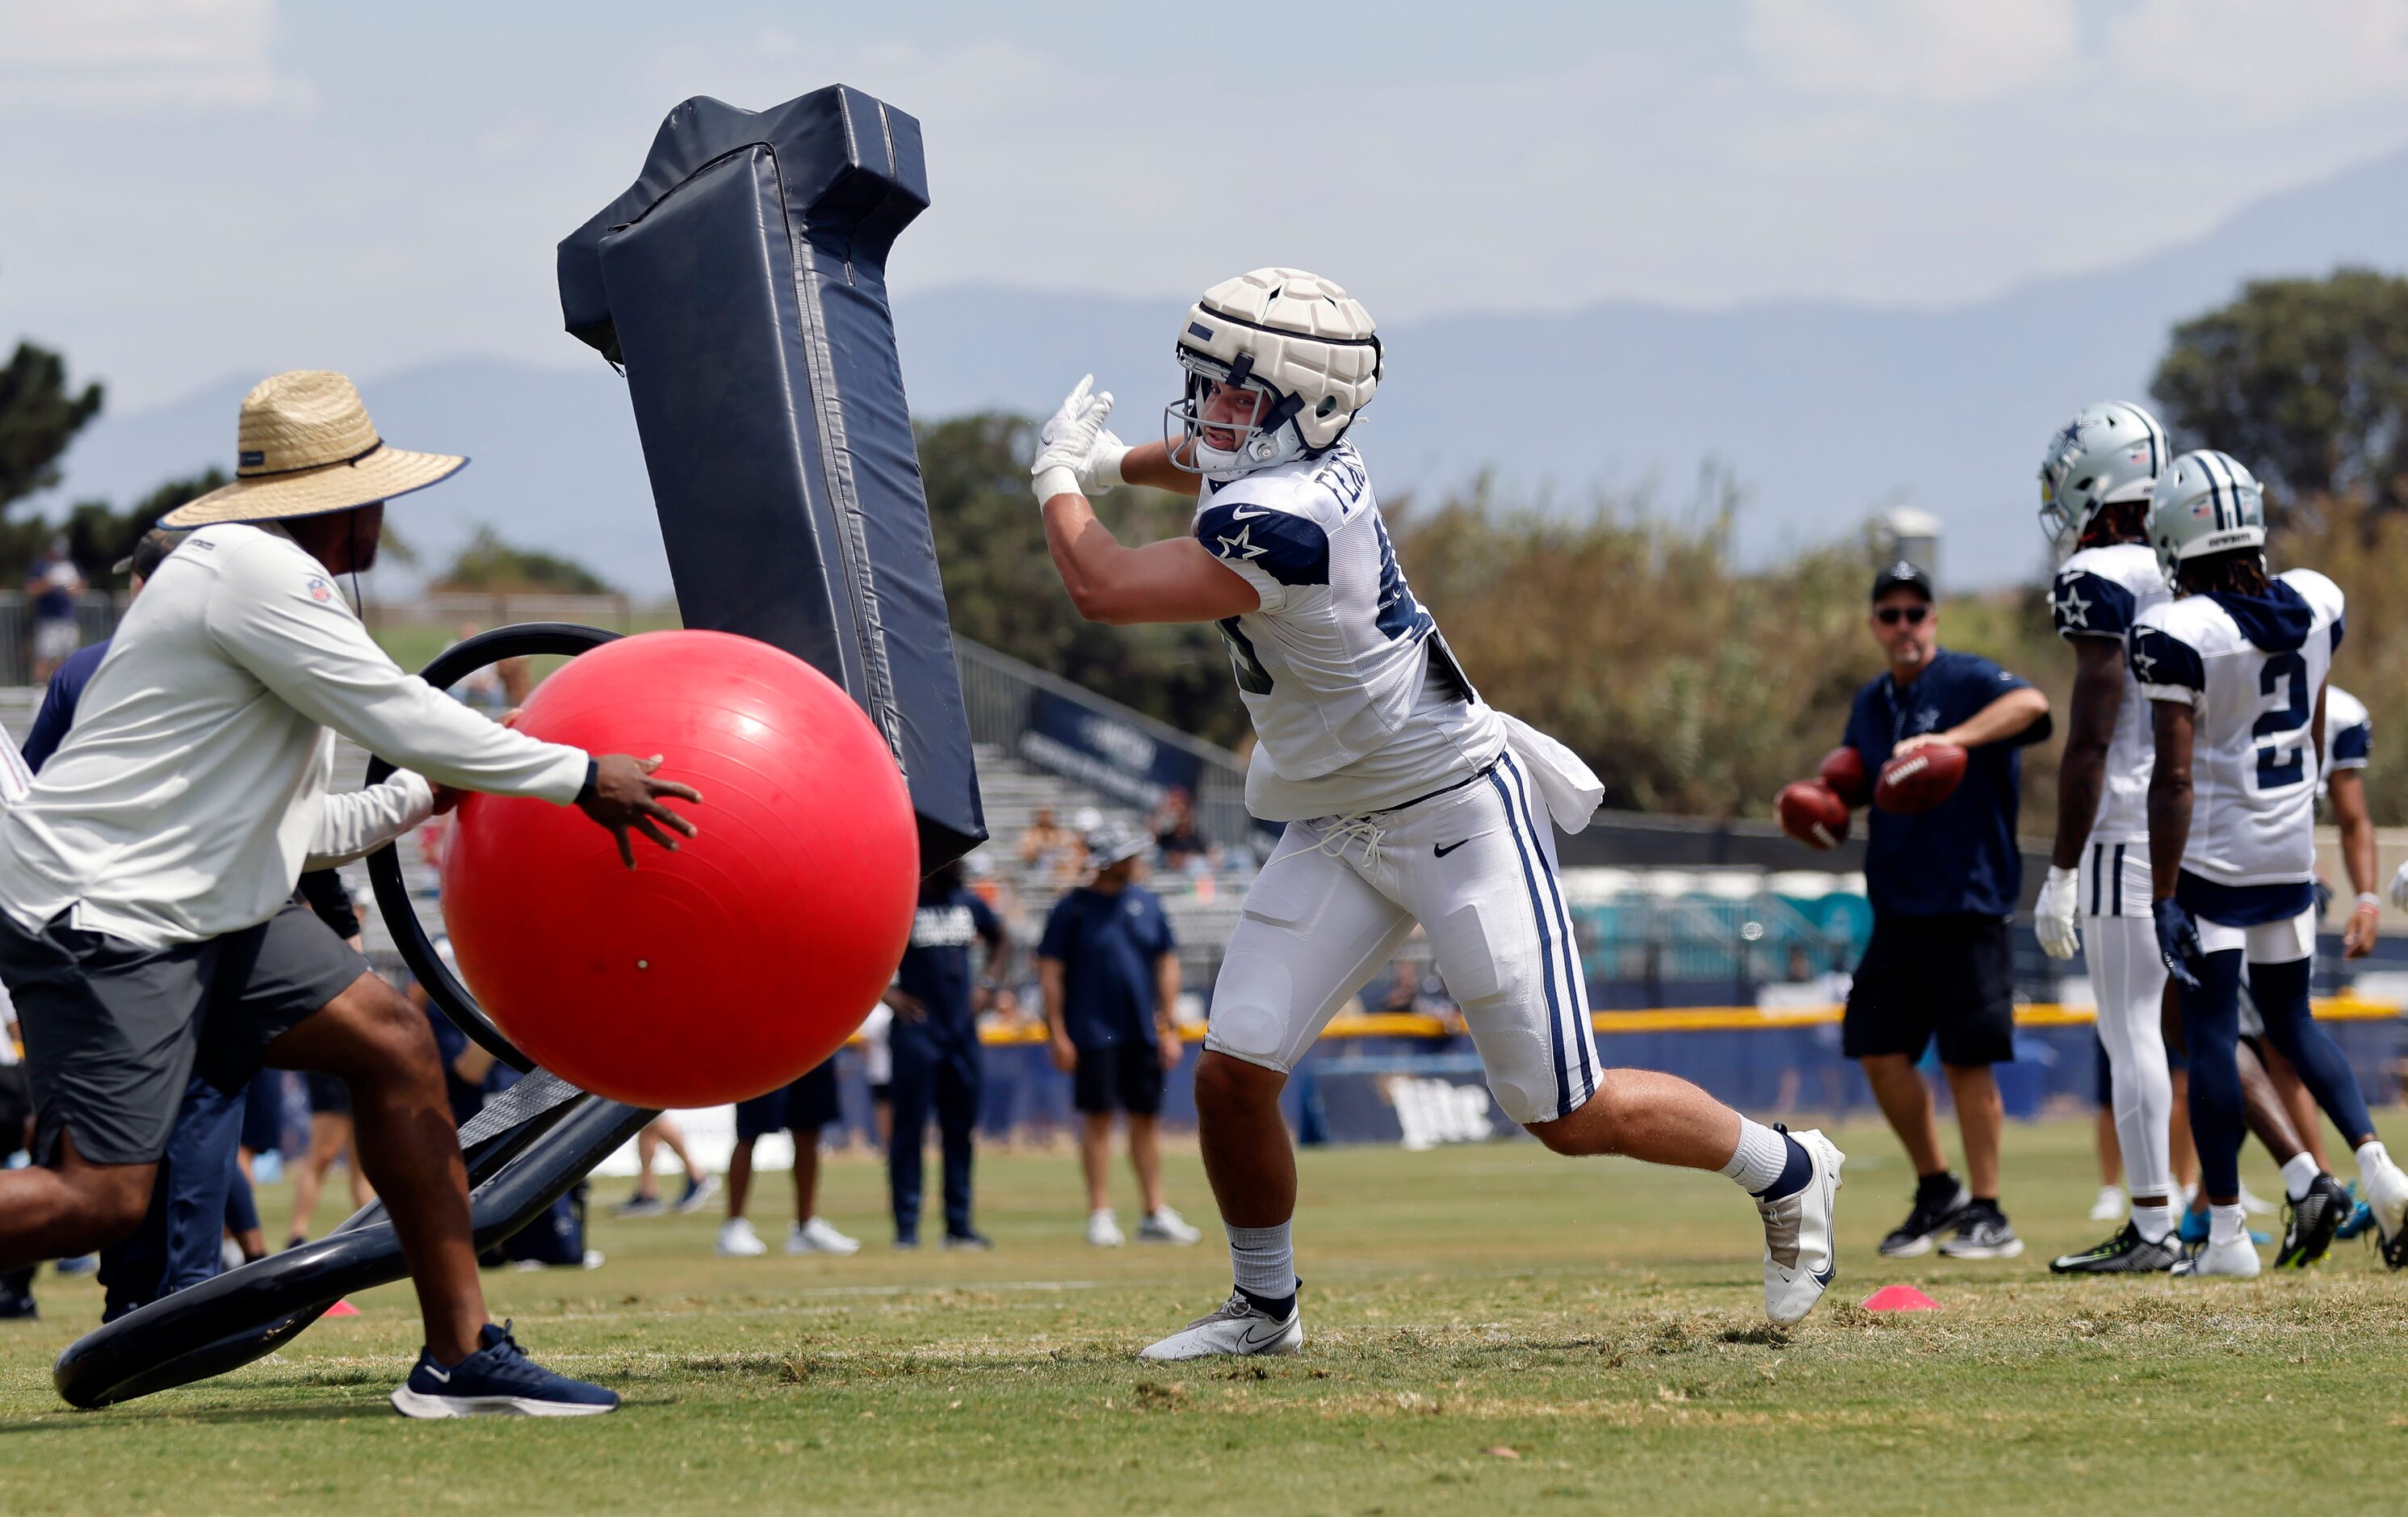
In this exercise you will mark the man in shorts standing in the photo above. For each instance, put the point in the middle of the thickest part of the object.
(1110, 968)
(801, 1108)
(1944, 884)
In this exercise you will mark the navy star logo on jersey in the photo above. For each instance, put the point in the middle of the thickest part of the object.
(2074, 610)
(1242, 546)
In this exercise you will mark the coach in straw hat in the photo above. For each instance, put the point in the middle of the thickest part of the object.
(147, 877)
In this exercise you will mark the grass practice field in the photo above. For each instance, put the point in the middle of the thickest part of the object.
(1488, 1329)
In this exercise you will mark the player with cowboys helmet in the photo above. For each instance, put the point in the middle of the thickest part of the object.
(2095, 483)
(1406, 799)
(2234, 667)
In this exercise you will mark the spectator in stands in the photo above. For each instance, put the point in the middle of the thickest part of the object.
(937, 1060)
(1944, 884)
(801, 1108)
(52, 585)
(1049, 850)
(1178, 842)
(1110, 968)
(645, 1200)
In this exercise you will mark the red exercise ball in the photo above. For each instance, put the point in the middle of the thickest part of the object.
(740, 962)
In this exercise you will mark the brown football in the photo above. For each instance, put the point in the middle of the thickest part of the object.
(1813, 813)
(1843, 770)
(1920, 780)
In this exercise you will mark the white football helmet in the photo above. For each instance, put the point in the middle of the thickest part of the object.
(2204, 502)
(1306, 348)
(2111, 451)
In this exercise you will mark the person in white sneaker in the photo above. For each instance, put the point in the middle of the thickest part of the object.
(2235, 670)
(801, 1108)
(1110, 968)
(1407, 800)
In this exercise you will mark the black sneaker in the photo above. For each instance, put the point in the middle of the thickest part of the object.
(2310, 1224)
(1933, 1216)
(498, 1379)
(1981, 1232)
(971, 1238)
(16, 1297)
(2126, 1254)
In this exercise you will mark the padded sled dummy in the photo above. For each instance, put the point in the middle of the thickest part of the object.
(741, 284)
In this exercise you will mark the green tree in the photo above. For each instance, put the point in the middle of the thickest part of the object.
(97, 537)
(2305, 380)
(40, 413)
(487, 563)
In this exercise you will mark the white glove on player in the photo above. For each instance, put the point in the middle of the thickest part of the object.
(1075, 443)
(2399, 889)
(2052, 914)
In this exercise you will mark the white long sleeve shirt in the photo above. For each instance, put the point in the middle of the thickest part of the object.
(192, 787)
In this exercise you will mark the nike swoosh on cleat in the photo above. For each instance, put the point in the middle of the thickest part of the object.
(445, 1376)
(1444, 849)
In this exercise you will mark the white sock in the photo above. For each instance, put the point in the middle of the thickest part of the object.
(2225, 1224)
(2372, 1158)
(1262, 1259)
(2154, 1222)
(2299, 1173)
(1761, 1156)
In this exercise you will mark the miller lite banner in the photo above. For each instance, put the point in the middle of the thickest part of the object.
(1105, 753)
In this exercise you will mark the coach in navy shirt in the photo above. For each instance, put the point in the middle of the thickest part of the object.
(1944, 884)
(1110, 968)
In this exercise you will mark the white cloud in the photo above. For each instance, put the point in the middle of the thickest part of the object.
(1945, 50)
(2267, 57)
(139, 54)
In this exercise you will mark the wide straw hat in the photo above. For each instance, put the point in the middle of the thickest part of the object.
(307, 448)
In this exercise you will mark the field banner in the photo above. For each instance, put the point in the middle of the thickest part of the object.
(1105, 753)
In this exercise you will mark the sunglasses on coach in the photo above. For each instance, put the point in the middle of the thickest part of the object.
(1912, 615)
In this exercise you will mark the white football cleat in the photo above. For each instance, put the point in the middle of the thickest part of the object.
(2237, 1259)
(1798, 1261)
(817, 1237)
(2386, 1197)
(1238, 1328)
(1104, 1230)
(2110, 1206)
(737, 1240)
(1167, 1226)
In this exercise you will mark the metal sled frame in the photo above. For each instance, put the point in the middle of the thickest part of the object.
(525, 1151)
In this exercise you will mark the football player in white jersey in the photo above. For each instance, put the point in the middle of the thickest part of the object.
(2235, 668)
(1405, 798)
(2095, 485)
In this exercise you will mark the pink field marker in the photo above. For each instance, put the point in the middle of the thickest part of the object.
(1900, 1298)
(344, 1309)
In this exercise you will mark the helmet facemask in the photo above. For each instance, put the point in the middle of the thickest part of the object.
(1257, 440)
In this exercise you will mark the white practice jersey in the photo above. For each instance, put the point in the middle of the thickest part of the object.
(2102, 592)
(2251, 669)
(2349, 733)
(1358, 706)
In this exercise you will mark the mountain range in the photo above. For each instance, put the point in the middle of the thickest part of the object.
(1823, 411)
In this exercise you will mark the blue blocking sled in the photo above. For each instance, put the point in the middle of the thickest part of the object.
(740, 283)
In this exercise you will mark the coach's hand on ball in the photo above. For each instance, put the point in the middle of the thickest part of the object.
(622, 796)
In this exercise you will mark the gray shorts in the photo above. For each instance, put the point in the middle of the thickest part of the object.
(113, 1032)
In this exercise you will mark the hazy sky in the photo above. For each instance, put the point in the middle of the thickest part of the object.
(197, 187)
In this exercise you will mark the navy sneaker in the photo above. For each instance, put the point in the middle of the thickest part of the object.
(498, 1380)
(969, 1238)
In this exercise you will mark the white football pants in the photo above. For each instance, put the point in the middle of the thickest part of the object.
(1476, 866)
(2130, 981)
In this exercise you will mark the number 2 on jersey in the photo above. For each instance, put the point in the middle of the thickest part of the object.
(2274, 771)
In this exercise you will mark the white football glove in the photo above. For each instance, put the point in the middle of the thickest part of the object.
(1075, 453)
(2399, 889)
(2052, 914)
